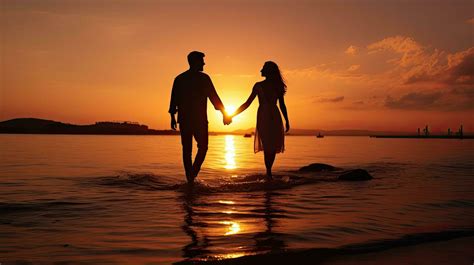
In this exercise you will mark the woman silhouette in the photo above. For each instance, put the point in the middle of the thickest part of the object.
(269, 134)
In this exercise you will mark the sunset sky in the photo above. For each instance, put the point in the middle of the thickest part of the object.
(378, 65)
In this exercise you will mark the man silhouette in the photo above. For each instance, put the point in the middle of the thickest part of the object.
(189, 98)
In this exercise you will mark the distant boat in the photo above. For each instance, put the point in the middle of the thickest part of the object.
(320, 135)
(247, 135)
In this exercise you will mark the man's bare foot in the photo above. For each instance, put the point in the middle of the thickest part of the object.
(190, 179)
(269, 176)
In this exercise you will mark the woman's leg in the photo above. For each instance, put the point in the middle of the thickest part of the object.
(269, 159)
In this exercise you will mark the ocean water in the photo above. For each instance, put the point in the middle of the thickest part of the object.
(122, 199)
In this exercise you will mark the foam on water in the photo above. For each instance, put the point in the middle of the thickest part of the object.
(236, 183)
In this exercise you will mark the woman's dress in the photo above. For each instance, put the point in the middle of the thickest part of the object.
(269, 133)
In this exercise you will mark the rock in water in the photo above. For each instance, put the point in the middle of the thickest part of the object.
(356, 174)
(317, 167)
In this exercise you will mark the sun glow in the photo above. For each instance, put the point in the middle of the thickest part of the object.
(229, 110)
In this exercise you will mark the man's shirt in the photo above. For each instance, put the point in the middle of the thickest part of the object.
(189, 97)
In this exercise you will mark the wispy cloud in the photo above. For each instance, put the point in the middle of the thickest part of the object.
(352, 50)
(414, 100)
(458, 99)
(330, 100)
(353, 67)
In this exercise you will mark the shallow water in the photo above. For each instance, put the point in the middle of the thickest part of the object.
(122, 199)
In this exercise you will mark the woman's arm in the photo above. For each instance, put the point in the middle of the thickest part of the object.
(281, 100)
(247, 103)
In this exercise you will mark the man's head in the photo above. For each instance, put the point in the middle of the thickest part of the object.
(196, 60)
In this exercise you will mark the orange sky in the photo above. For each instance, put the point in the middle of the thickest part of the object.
(380, 65)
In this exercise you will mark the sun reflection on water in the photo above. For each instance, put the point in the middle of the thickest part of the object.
(226, 202)
(229, 152)
(233, 227)
(231, 255)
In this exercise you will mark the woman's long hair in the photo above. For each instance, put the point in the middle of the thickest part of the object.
(274, 76)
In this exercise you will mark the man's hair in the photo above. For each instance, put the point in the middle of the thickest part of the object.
(194, 56)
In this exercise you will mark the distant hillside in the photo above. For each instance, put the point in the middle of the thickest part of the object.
(41, 126)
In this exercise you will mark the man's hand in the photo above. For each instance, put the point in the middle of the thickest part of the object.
(287, 126)
(173, 123)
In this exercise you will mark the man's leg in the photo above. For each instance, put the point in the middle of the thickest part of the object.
(187, 144)
(202, 138)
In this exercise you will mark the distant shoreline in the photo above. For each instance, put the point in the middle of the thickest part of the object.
(42, 126)
(470, 137)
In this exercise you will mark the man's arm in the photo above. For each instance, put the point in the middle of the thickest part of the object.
(215, 100)
(173, 105)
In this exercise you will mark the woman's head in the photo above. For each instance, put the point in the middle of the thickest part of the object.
(271, 71)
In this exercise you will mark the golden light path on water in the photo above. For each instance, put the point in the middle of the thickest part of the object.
(232, 227)
(229, 152)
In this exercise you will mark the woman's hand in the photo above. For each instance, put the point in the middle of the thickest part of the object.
(287, 126)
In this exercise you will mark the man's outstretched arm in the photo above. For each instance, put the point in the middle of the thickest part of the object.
(215, 100)
(173, 105)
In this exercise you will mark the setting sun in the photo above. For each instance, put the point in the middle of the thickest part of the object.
(230, 109)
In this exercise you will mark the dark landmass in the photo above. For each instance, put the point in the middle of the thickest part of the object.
(43, 126)
(40, 126)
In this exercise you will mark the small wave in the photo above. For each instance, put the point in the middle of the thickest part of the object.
(141, 181)
(323, 255)
(443, 204)
(244, 183)
(254, 183)
(38, 206)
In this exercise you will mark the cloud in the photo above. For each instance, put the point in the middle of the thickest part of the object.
(413, 100)
(353, 67)
(457, 99)
(330, 100)
(461, 67)
(410, 50)
(352, 50)
(324, 72)
(309, 72)
(470, 21)
(442, 68)
(420, 78)
(418, 63)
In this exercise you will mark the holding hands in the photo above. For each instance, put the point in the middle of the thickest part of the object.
(227, 119)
